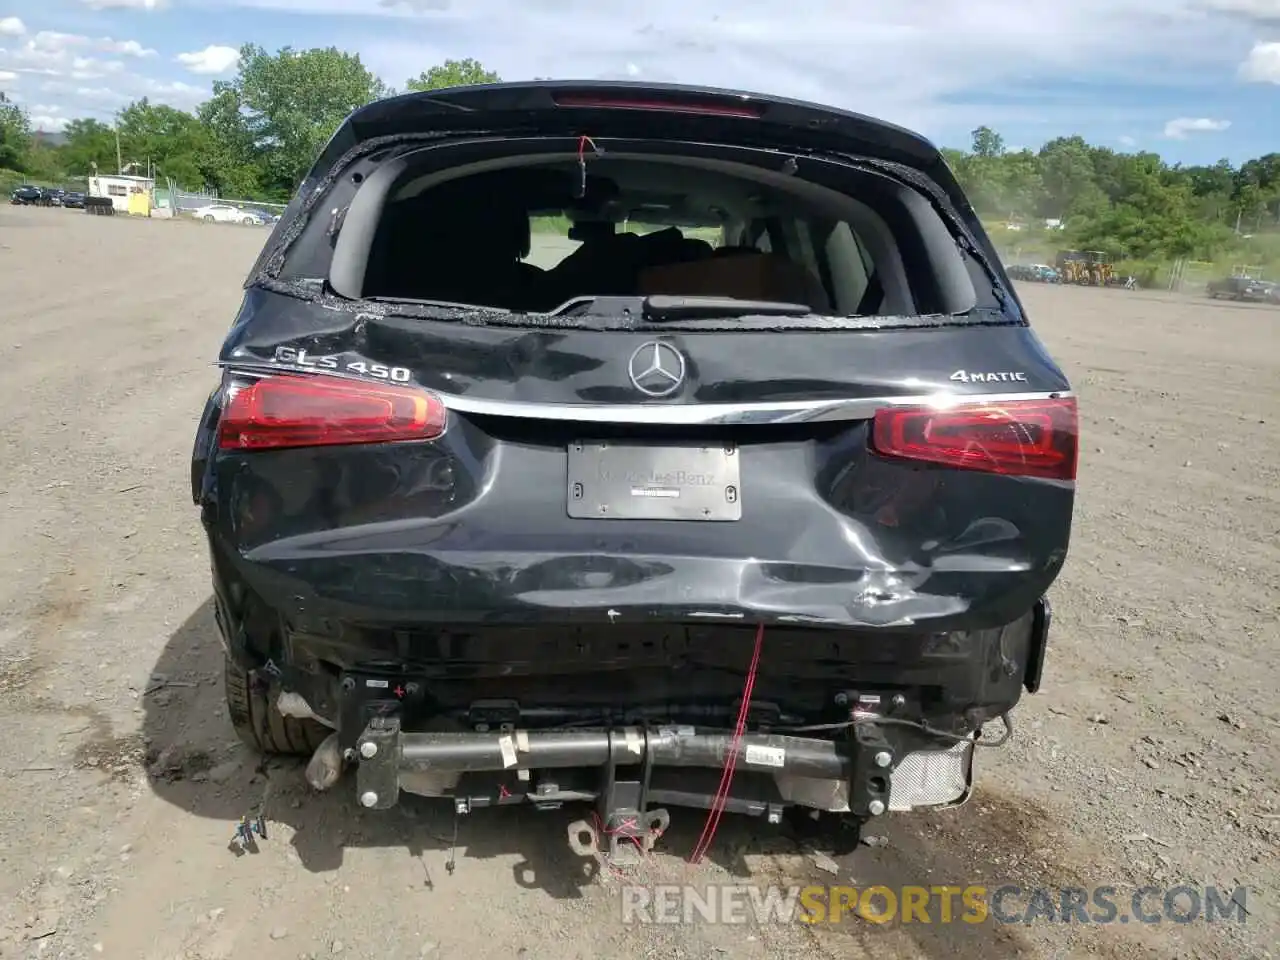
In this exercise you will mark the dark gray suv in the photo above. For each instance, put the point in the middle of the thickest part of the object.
(1241, 288)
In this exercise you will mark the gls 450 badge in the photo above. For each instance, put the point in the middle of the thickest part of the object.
(989, 376)
(294, 357)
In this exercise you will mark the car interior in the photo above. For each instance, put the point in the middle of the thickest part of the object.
(645, 226)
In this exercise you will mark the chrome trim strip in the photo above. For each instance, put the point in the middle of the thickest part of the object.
(696, 414)
(680, 414)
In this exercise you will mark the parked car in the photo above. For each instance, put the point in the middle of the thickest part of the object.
(1239, 288)
(27, 195)
(1034, 273)
(265, 217)
(225, 213)
(74, 200)
(613, 530)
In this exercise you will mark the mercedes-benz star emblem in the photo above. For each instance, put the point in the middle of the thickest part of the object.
(656, 369)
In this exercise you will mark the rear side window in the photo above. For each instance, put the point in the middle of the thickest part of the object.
(531, 239)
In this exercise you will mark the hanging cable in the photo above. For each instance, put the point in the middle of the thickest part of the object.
(978, 741)
(720, 800)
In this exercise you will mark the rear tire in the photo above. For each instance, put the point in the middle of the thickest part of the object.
(260, 725)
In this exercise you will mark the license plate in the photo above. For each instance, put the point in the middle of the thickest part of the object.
(654, 482)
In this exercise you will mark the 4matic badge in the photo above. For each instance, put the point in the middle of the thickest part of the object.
(989, 376)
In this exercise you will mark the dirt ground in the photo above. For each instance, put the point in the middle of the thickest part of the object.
(1151, 756)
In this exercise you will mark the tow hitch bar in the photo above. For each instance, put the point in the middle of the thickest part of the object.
(627, 771)
(629, 840)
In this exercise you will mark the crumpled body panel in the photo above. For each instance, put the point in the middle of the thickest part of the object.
(474, 527)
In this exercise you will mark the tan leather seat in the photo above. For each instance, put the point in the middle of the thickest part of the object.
(749, 275)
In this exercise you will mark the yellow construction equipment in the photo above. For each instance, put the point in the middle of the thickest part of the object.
(1101, 272)
(1072, 266)
(1090, 268)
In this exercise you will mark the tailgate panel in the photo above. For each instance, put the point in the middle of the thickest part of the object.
(486, 524)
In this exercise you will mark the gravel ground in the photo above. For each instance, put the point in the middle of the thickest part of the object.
(1151, 757)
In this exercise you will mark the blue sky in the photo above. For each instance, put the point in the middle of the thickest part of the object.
(1195, 80)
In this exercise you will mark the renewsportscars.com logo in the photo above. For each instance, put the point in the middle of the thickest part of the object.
(938, 904)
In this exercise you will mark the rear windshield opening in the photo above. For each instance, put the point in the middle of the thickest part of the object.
(530, 237)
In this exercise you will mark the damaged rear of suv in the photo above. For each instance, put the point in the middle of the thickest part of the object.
(638, 445)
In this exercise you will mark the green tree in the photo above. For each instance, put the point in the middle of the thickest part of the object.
(42, 162)
(1070, 187)
(15, 136)
(987, 143)
(258, 133)
(88, 143)
(167, 141)
(288, 104)
(232, 162)
(452, 73)
(1153, 219)
(1264, 173)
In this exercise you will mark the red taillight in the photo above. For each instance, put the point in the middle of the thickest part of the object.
(708, 108)
(292, 411)
(1022, 438)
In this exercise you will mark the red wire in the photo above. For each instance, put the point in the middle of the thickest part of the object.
(629, 824)
(721, 798)
(720, 801)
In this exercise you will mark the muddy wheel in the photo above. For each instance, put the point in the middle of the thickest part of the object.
(260, 725)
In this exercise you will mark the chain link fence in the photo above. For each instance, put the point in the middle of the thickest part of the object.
(196, 203)
(1192, 276)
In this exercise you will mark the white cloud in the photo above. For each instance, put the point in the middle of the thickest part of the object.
(174, 92)
(126, 48)
(1179, 128)
(91, 67)
(12, 27)
(1262, 65)
(52, 41)
(7, 76)
(100, 94)
(211, 60)
(77, 75)
(53, 54)
(1127, 141)
(48, 124)
(126, 4)
(56, 63)
(913, 63)
(1252, 9)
